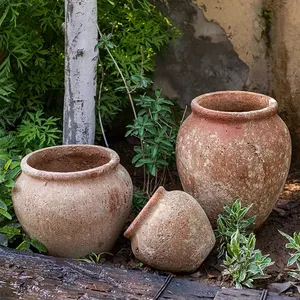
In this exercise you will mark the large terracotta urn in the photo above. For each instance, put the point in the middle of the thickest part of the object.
(74, 199)
(234, 146)
(171, 233)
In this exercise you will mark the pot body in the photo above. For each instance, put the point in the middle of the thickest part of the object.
(73, 199)
(234, 146)
(171, 233)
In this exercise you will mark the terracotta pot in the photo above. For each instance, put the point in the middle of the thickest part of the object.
(234, 146)
(74, 199)
(171, 233)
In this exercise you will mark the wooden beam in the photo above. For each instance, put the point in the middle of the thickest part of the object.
(28, 276)
(31, 276)
(231, 294)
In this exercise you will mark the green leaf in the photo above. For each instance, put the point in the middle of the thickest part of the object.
(291, 240)
(5, 214)
(38, 245)
(293, 259)
(10, 231)
(3, 205)
(25, 246)
(10, 183)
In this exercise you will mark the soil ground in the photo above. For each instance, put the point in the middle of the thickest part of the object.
(285, 217)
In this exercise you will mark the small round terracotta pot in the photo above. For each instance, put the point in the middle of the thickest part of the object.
(171, 233)
(75, 199)
(234, 146)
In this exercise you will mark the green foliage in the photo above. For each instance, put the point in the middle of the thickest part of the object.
(32, 53)
(294, 243)
(94, 258)
(37, 132)
(155, 127)
(134, 32)
(228, 224)
(33, 133)
(31, 57)
(244, 263)
(139, 200)
(10, 229)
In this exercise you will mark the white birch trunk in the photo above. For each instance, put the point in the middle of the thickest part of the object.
(81, 37)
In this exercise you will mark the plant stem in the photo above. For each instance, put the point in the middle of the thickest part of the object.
(129, 96)
(121, 74)
(183, 114)
(99, 102)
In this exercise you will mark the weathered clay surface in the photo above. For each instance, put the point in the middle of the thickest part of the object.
(234, 146)
(74, 199)
(172, 232)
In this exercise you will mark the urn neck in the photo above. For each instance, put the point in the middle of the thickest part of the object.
(145, 212)
(69, 162)
(234, 106)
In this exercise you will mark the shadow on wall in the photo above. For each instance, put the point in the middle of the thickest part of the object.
(202, 60)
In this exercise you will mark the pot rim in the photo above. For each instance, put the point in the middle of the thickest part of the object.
(114, 160)
(268, 111)
(145, 212)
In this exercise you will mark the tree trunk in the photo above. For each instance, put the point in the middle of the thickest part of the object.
(81, 37)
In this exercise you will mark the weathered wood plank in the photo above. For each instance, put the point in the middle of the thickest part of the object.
(31, 276)
(231, 294)
(28, 276)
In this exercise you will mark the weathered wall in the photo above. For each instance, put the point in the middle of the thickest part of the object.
(285, 62)
(235, 45)
(202, 60)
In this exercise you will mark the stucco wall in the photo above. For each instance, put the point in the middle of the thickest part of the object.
(202, 60)
(285, 76)
(244, 26)
(238, 44)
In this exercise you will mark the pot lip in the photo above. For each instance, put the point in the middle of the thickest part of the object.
(145, 212)
(114, 160)
(269, 110)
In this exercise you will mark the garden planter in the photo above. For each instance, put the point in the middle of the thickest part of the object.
(74, 199)
(171, 233)
(234, 146)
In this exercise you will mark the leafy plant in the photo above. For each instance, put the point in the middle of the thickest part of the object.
(31, 57)
(94, 258)
(228, 224)
(244, 263)
(294, 243)
(10, 229)
(131, 33)
(34, 132)
(139, 200)
(37, 132)
(156, 129)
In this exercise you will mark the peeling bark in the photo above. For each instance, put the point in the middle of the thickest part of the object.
(80, 71)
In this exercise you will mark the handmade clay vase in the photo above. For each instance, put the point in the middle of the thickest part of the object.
(74, 199)
(234, 146)
(171, 233)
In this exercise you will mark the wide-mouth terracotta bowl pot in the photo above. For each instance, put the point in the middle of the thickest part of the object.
(75, 199)
(234, 146)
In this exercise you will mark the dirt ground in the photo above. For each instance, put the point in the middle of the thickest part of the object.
(285, 217)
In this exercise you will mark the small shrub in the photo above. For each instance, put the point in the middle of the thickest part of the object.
(294, 243)
(228, 224)
(155, 127)
(243, 262)
(33, 133)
